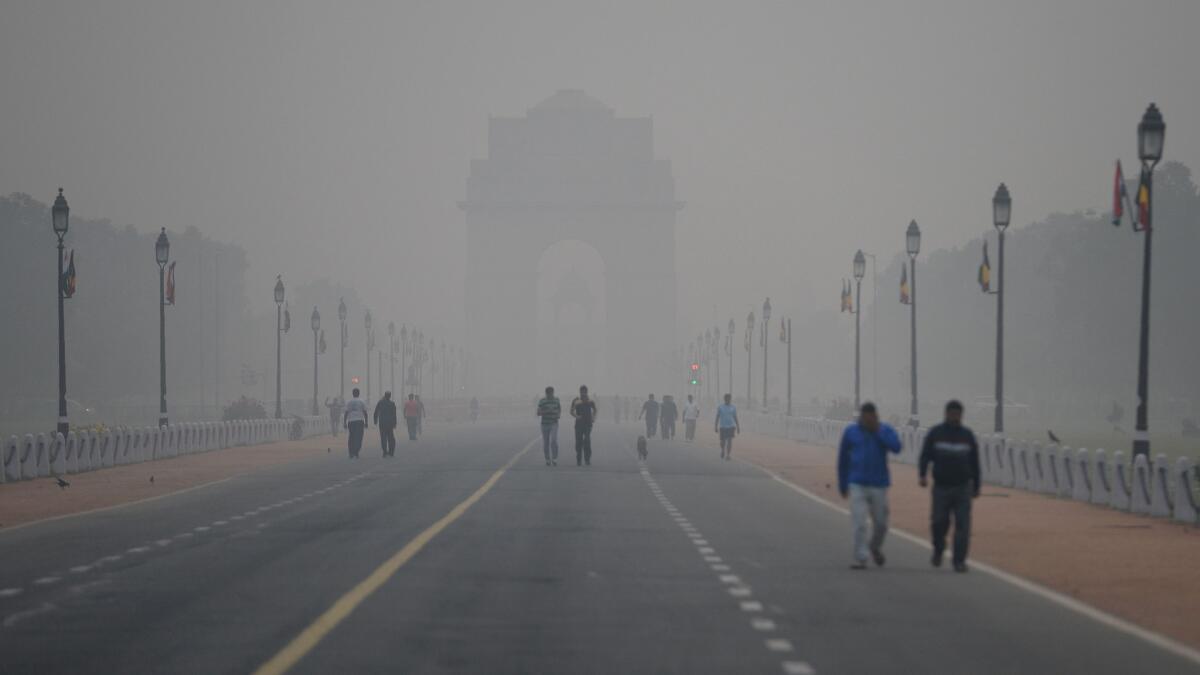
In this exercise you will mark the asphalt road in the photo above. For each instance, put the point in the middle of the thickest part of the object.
(684, 564)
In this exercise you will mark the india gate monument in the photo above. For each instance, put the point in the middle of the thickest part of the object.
(570, 252)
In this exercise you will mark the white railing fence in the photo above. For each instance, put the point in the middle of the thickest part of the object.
(1159, 487)
(34, 456)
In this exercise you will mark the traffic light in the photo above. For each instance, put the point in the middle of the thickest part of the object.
(695, 374)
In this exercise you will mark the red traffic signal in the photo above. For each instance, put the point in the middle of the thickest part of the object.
(695, 367)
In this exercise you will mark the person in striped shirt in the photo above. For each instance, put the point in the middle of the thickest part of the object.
(549, 409)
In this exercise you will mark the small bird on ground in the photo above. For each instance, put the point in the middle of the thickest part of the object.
(62, 484)
(328, 450)
(1053, 438)
(151, 479)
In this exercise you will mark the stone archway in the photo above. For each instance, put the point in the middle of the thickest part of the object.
(570, 169)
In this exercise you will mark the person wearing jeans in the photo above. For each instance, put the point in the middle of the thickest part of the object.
(863, 478)
(583, 409)
(549, 409)
(691, 413)
(354, 418)
(954, 453)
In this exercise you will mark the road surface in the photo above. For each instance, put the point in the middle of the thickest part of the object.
(456, 557)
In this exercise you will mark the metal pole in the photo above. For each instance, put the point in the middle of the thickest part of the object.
(342, 368)
(392, 363)
(314, 408)
(63, 426)
(403, 367)
(857, 343)
(379, 368)
(162, 348)
(999, 426)
(766, 338)
(789, 366)
(278, 361)
(749, 363)
(729, 353)
(912, 301)
(717, 368)
(1141, 435)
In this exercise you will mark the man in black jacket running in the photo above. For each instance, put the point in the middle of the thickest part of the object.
(952, 450)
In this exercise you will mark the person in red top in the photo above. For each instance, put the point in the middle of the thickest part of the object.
(412, 416)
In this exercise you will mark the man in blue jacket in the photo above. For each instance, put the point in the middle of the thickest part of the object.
(863, 477)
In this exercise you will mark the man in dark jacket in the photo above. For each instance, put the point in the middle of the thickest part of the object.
(385, 419)
(863, 477)
(650, 412)
(668, 412)
(952, 450)
(583, 409)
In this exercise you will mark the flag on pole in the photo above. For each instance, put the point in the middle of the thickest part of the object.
(985, 272)
(1120, 196)
(322, 342)
(847, 299)
(783, 332)
(170, 291)
(905, 298)
(68, 280)
(1143, 202)
(345, 334)
(287, 319)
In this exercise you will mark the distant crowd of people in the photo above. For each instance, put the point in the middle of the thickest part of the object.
(660, 418)
(950, 453)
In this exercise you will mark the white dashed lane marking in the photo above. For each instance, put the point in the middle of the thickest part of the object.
(733, 583)
(162, 543)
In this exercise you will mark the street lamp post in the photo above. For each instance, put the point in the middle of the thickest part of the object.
(367, 324)
(912, 242)
(749, 355)
(278, 347)
(60, 221)
(403, 353)
(860, 269)
(392, 354)
(1001, 216)
(342, 369)
(716, 351)
(788, 340)
(316, 328)
(162, 253)
(1151, 134)
(765, 340)
(729, 353)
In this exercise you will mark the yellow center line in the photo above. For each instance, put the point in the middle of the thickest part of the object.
(310, 637)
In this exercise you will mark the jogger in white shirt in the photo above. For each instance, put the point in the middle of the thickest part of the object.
(691, 413)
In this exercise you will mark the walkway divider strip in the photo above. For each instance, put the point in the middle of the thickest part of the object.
(311, 636)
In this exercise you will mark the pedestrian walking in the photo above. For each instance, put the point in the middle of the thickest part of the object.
(650, 412)
(412, 416)
(549, 409)
(335, 405)
(668, 412)
(385, 419)
(583, 409)
(354, 418)
(952, 450)
(727, 426)
(863, 478)
(474, 409)
(691, 413)
(616, 409)
(421, 417)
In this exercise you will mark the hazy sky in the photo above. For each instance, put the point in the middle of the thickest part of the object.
(333, 139)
